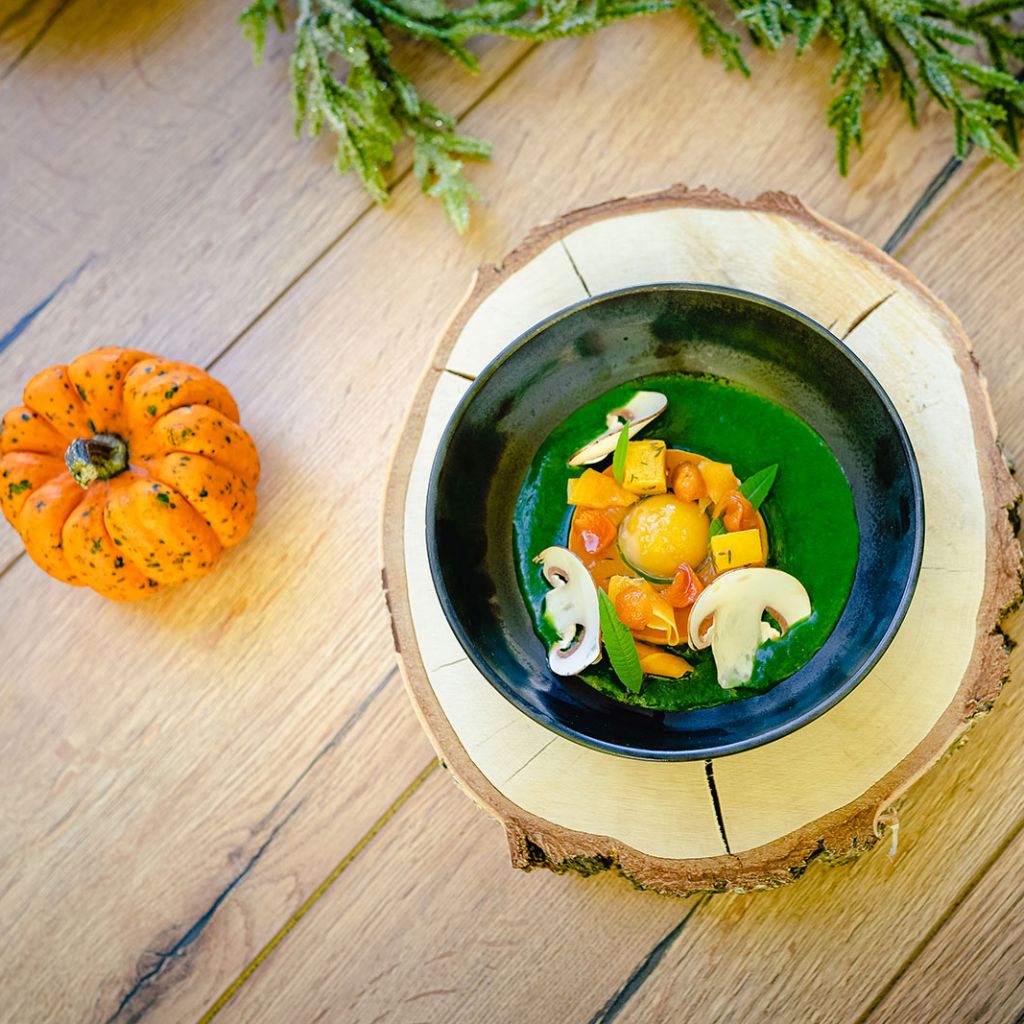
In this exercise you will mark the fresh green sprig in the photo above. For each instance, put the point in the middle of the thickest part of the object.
(755, 489)
(343, 77)
(620, 645)
(621, 451)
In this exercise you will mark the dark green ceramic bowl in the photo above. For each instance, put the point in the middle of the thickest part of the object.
(578, 355)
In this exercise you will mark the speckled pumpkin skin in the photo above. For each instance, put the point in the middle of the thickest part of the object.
(189, 490)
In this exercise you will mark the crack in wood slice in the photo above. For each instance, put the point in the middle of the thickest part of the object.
(877, 289)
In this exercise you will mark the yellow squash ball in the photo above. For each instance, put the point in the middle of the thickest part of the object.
(661, 532)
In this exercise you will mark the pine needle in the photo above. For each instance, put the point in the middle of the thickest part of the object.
(343, 77)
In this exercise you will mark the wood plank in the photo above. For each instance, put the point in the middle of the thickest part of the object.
(152, 189)
(192, 766)
(823, 949)
(444, 936)
(149, 772)
(826, 948)
(24, 24)
(971, 969)
(408, 320)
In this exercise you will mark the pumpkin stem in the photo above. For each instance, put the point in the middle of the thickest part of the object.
(96, 458)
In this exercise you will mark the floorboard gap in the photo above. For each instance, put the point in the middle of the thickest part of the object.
(319, 891)
(608, 1013)
(940, 923)
(927, 197)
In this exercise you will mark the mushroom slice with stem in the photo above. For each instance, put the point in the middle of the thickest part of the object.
(736, 602)
(643, 407)
(572, 608)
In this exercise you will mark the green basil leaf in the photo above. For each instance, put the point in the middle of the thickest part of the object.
(755, 488)
(620, 645)
(717, 527)
(619, 458)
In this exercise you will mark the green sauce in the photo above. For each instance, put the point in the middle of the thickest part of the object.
(812, 527)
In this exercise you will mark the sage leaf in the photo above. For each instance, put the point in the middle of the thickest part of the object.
(620, 645)
(756, 487)
(619, 458)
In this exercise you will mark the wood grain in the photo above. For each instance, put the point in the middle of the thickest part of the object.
(971, 969)
(158, 775)
(153, 190)
(825, 949)
(24, 24)
(662, 810)
(460, 943)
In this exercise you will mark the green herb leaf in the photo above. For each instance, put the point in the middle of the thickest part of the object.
(717, 527)
(619, 458)
(620, 645)
(755, 488)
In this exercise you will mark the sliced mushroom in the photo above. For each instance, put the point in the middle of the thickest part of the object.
(635, 414)
(572, 608)
(736, 601)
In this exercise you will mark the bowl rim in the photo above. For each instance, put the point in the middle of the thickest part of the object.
(762, 737)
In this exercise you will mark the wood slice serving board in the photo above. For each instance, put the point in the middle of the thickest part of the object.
(755, 818)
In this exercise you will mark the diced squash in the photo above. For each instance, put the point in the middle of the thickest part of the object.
(719, 477)
(656, 662)
(595, 490)
(731, 550)
(645, 467)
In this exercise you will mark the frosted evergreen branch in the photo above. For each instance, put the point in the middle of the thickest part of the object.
(344, 79)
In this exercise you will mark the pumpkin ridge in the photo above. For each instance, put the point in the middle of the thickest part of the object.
(41, 521)
(154, 387)
(13, 490)
(167, 538)
(51, 395)
(214, 436)
(207, 486)
(98, 377)
(23, 430)
(178, 496)
(117, 576)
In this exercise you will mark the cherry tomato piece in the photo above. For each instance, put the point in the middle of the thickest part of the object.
(633, 608)
(688, 482)
(684, 589)
(595, 530)
(737, 513)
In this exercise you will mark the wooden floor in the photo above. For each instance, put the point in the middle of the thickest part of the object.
(219, 803)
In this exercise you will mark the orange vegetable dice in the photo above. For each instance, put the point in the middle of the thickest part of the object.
(595, 490)
(719, 477)
(633, 607)
(656, 662)
(736, 513)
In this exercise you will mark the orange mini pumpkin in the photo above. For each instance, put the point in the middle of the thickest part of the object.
(125, 472)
